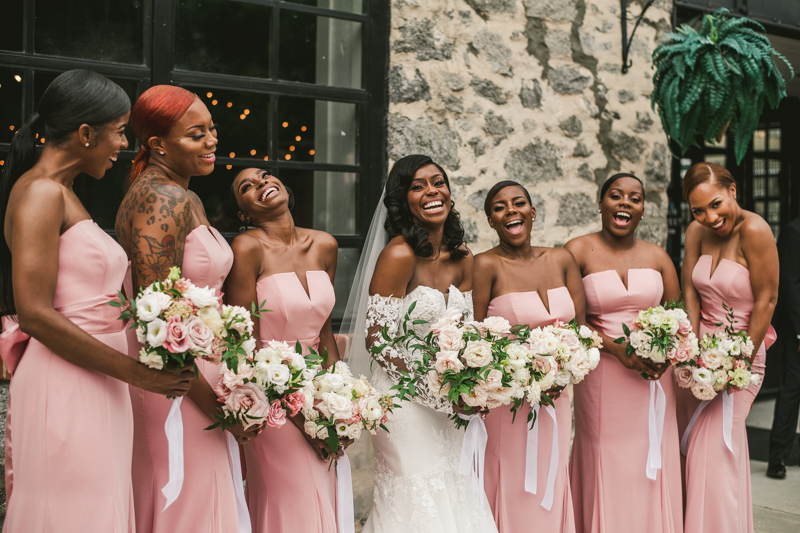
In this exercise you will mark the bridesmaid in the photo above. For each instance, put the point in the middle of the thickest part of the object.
(289, 483)
(161, 224)
(73, 424)
(535, 286)
(730, 258)
(614, 488)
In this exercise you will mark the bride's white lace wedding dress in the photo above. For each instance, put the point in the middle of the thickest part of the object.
(417, 484)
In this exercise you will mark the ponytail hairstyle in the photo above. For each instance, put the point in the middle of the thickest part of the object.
(156, 112)
(400, 221)
(74, 98)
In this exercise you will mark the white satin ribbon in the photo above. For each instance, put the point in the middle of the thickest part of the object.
(173, 427)
(532, 457)
(727, 422)
(344, 495)
(473, 455)
(655, 427)
(238, 485)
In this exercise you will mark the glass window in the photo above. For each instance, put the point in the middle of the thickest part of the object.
(320, 50)
(774, 167)
(11, 95)
(759, 208)
(774, 139)
(773, 188)
(350, 6)
(774, 211)
(205, 38)
(102, 197)
(335, 202)
(759, 187)
(759, 141)
(105, 30)
(242, 120)
(719, 159)
(346, 265)
(319, 131)
(686, 163)
(759, 167)
(11, 36)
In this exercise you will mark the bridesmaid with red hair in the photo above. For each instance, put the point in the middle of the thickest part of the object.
(162, 224)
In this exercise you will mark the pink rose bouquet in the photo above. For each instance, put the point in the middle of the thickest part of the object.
(721, 363)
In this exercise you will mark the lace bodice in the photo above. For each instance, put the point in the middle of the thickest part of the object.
(431, 305)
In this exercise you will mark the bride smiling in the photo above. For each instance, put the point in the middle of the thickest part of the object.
(417, 484)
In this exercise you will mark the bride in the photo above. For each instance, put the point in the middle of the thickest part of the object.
(417, 484)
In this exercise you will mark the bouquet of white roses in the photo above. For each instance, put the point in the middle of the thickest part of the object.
(261, 388)
(337, 405)
(661, 333)
(722, 363)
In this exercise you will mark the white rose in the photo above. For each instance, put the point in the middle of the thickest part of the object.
(447, 360)
(497, 325)
(203, 297)
(703, 375)
(720, 379)
(298, 362)
(271, 356)
(657, 355)
(151, 359)
(322, 432)
(594, 357)
(713, 358)
(148, 308)
(638, 338)
(335, 406)
(562, 378)
(248, 346)
(361, 387)
(331, 383)
(579, 366)
(141, 334)
(211, 318)
(311, 427)
(585, 332)
(534, 393)
(341, 368)
(549, 379)
(278, 375)
(353, 431)
(478, 353)
(310, 413)
(656, 319)
(370, 409)
(517, 356)
(156, 332)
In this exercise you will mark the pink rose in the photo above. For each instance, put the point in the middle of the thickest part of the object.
(480, 326)
(450, 318)
(199, 335)
(447, 360)
(501, 396)
(435, 384)
(683, 353)
(542, 364)
(250, 400)
(672, 353)
(450, 339)
(684, 327)
(683, 376)
(216, 351)
(702, 391)
(356, 418)
(494, 380)
(739, 363)
(569, 338)
(276, 417)
(177, 340)
(182, 285)
(477, 397)
(294, 402)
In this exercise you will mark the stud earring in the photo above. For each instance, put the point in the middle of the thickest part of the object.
(87, 145)
(162, 153)
(534, 218)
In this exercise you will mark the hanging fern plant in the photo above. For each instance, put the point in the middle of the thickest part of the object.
(715, 79)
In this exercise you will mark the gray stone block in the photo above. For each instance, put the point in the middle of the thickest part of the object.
(625, 96)
(576, 210)
(423, 136)
(534, 164)
(403, 90)
(453, 81)
(489, 90)
(571, 127)
(568, 80)
(625, 146)
(496, 124)
(418, 38)
(497, 53)
(485, 8)
(530, 95)
(565, 10)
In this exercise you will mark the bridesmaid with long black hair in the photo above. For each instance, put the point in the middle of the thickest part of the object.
(536, 286)
(72, 418)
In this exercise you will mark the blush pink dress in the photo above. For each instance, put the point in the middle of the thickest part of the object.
(289, 488)
(610, 487)
(73, 427)
(717, 481)
(514, 510)
(207, 503)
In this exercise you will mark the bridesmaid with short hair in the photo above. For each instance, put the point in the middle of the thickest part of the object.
(160, 224)
(290, 485)
(72, 417)
(535, 286)
(730, 258)
(617, 484)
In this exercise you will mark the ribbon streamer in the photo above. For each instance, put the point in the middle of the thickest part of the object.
(727, 419)
(655, 427)
(173, 427)
(532, 457)
(238, 485)
(685, 438)
(532, 454)
(547, 502)
(344, 495)
(473, 455)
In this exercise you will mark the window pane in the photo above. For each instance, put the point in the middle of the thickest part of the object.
(773, 189)
(102, 197)
(774, 212)
(759, 167)
(774, 139)
(719, 159)
(335, 202)
(11, 96)
(320, 50)
(350, 6)
(204, 40)
(11, 36)
(760, 209)
(759, 187)
(324, 132)
(759, 141)
(345, 272)
(776, 230)
(106, 30)
(242, 119)
(774, 167)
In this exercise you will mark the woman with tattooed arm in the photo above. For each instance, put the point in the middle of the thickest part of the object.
(162, 224)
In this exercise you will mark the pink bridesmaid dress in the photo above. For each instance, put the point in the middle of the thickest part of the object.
(514, 509)
(610, 487)
(289, 488)
(718, 480)
(73, 427)
(207, 503)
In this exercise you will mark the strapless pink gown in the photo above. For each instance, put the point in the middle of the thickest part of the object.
(207, 503)
(515, 510)
(718, 481)
(73, 428)
(289, 488)
(610, 487)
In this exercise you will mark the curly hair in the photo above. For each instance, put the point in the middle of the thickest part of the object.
(400, 221)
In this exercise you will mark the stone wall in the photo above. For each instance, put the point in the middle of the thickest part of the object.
(532, 91)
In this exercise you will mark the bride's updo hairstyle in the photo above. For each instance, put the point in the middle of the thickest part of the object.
(155, 112)
(400, 222)
(74, 98)
(702, 172)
